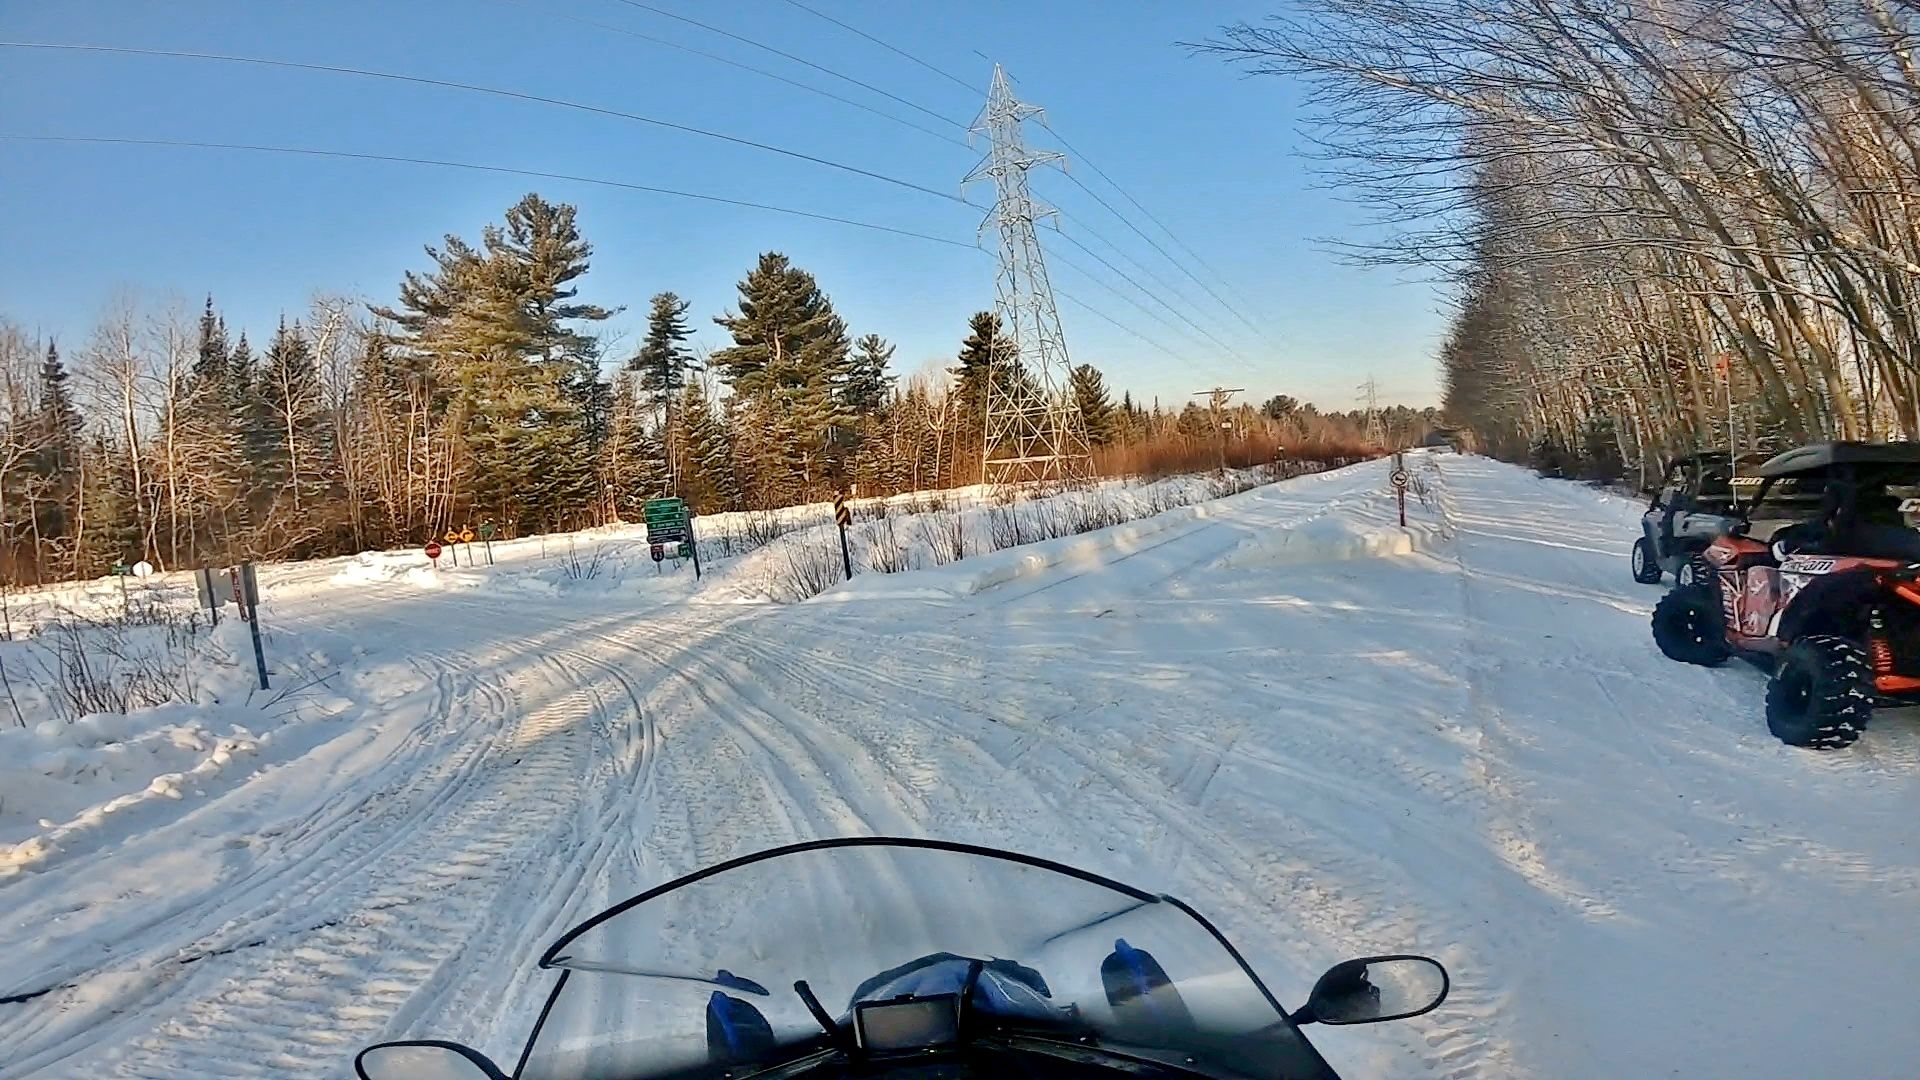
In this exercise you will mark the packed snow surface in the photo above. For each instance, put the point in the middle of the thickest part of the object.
(1333, 735)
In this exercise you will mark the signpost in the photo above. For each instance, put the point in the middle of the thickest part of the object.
(1399, 479)
(120, 571)
(843, 518)
(433, 552)
(670, 521)
(486, 537)
(452, 538)
(249, 600)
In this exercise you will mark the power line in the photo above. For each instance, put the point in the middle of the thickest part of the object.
(1171, 235)
(473, 167)
(964, 85)
(798, 60)
(1055, 256)
(494, 91)
(1150, 294)
(348, 155)
(730, 62)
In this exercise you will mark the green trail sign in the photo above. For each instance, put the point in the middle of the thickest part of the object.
(667, 520)
(670, 521)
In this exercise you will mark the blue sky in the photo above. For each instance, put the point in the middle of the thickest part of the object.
(1214, 155)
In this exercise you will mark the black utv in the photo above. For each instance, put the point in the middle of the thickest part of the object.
(1697, 500)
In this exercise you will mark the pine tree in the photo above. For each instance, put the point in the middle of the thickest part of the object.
(292, 430)
(867, 382)
(56, 441)
(985, 345)
(708, 473)
(663, 359)
(789, 357)
(1096, 406)
(520, 396)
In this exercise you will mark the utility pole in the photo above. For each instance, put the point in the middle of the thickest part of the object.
(1034, 430)
(1217, 399)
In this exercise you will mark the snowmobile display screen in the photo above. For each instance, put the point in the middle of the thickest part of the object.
(821, 960)
(919, 1024)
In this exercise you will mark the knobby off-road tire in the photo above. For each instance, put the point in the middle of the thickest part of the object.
(1822, 693)
(1646, 568)
(1687, 626)
(1694, 571)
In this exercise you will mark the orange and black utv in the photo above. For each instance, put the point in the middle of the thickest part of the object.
(1818, 582)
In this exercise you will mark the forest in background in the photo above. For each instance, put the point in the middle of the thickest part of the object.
(485, 391)
(1667, 226)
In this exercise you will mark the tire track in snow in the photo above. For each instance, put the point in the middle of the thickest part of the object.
(404, 901)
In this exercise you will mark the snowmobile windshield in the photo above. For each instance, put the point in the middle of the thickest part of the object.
(910, 951)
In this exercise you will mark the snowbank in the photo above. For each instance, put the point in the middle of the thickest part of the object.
(1332, 537)
(70, 784)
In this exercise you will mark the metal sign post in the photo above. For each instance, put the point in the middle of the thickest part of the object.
(843, 518)
(433, 552)
(250, 603)
(692, 546)
(453, 538)
(486, 538)
(1398, 477)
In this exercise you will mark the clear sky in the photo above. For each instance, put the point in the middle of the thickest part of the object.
(1215, 156)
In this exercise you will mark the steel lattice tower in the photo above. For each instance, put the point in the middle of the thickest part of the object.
(1034, 430)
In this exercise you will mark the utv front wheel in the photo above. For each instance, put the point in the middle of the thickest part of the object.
(1822, 693)
(1688, 628)
(1646, 569)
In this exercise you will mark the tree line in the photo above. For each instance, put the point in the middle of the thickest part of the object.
(1668, 226)
(484, 392)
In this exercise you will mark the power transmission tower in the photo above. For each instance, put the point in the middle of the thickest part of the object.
(1370, 390)
(1217, 399)
(1034, 430)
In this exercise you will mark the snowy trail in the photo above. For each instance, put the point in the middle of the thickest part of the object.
(1465, 745)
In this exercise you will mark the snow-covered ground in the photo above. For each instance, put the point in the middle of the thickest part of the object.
(1333, 736)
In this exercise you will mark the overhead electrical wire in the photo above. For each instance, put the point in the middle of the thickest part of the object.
(663, 13)
(963, 84)
(619, 114)
(505, 170)
(515, 95)
(1175, 237)
(730, 62)
(1071, 149)
(1149, 293)
(473, 167)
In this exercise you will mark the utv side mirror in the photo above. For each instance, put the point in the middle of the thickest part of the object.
(424, 1059)
(1375, 989)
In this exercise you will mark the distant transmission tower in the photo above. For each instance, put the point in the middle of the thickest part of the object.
(1034, 430)
(1376, 431)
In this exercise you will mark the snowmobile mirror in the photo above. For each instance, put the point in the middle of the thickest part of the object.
(1376, 989)
(424, 1059)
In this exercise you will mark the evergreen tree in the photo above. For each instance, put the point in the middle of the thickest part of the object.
(789, 357)
(1096, 407)
(663, 359)
(708, 481)
(867, 382)
(985, 345)
(523, 402)
(56, 443)
(292, 431)
(106, 523)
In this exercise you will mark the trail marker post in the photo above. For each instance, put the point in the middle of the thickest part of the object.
(1398, 477)
(486, 538)
(453, 537)
(843, 518)
(249, 600)
(433, 552)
